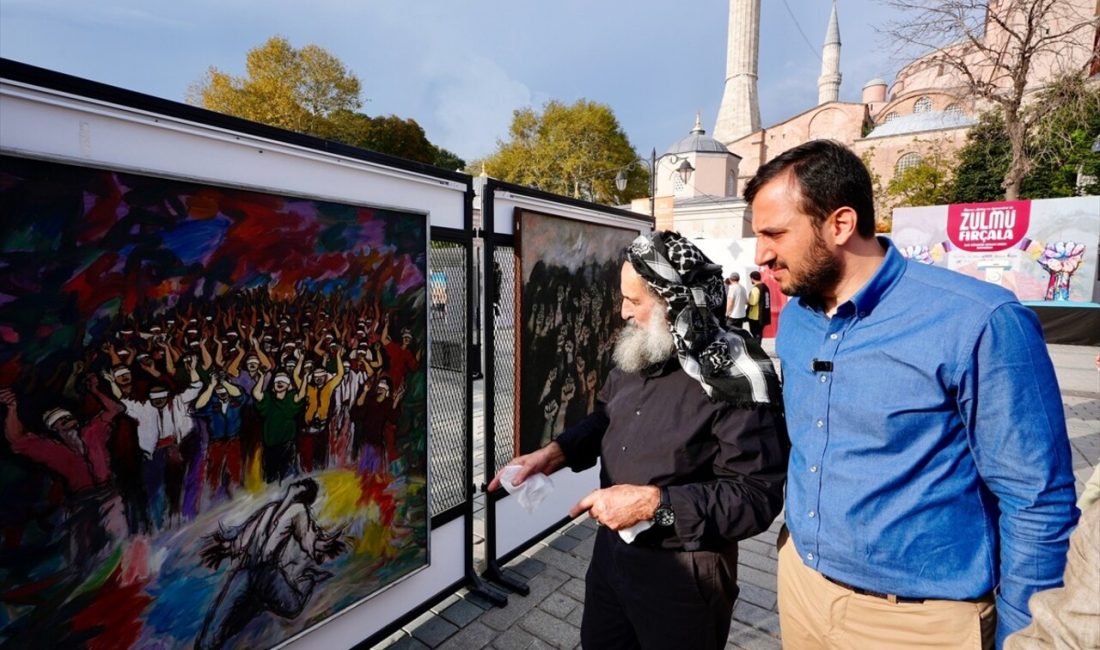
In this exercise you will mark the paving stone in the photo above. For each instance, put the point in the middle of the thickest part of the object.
(408, 643)
(576, 616)
(757, 546)
(553, 631)
(580, 532)
(461, 613)
(475, 635)
(756, 577)
(758, 596)
(756, 561)
(567, 562)
(528, 567)
(584, 549)
(564, 543)
(575, 588)
(434, 631)
(558, 605)
(541, 586)
(758, 617)
(743, 637)
(513, 639)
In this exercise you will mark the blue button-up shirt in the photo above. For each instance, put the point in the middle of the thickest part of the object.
(931, 460)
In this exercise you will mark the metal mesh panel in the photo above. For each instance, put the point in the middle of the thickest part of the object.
(504, 354)
(447, 298)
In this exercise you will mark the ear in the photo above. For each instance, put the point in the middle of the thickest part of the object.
(842, 222)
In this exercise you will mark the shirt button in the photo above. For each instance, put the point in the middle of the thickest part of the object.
(824, 378)
(863, 314)
(624, 447)
(810, 557)
(813, 469)
(812, 514)
(637, 411)
(820, 424)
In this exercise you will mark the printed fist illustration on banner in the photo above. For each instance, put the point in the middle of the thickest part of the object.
(1061, 259)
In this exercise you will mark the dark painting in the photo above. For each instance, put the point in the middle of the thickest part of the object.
(568, 320)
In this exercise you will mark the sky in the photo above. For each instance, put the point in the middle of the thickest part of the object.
(461, 67)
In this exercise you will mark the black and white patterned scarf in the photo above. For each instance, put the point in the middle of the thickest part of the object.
(730, 365)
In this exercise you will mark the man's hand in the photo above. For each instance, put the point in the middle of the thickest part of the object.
(544, 461)
(620, 506)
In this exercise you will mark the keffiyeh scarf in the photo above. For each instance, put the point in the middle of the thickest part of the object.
(729, 365)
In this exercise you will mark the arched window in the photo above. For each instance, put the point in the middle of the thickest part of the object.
(907, 161)
(954, 110)
(731, 184)
(922, 105)
(890, 117)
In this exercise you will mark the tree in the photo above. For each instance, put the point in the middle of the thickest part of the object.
(993, 47)
(573, 150)
(1060, 148)
(926, 183)
(294, 89)
(310, 91)
(884, 208)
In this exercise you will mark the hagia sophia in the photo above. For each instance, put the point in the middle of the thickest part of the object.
(892, 125)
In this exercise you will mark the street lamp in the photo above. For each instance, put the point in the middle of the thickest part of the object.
(684, 170)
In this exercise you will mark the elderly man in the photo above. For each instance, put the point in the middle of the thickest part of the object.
(692, 450)
(930, 472)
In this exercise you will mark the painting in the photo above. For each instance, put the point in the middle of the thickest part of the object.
(215, 410)
(568, 320)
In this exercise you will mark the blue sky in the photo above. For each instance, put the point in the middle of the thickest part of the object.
(460, 68)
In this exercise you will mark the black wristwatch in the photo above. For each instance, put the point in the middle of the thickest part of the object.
(663, 515)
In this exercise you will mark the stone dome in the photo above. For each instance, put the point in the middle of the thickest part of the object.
(698, 142)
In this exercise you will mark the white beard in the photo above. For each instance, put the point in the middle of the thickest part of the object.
(641, 347)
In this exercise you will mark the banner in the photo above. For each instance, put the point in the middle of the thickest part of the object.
(1042, 250)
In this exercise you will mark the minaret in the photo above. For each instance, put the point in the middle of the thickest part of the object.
(739, 114)
(828, 84)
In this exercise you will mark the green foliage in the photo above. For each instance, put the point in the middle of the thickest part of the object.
(574, 150)
(1059, 147)
(310, 91)
(983, 162)
(295, 89)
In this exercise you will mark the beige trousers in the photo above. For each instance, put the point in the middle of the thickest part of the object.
(815, 613)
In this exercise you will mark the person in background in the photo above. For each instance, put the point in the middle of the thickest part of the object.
(760, 306)
(736, 302)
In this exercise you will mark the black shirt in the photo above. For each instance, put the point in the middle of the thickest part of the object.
(724, 466)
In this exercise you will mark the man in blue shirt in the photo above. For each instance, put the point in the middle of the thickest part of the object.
(930, 473)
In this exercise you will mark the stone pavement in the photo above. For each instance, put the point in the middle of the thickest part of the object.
(549, 617)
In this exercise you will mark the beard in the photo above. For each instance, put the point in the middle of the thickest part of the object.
(640, 347)
(821, 274)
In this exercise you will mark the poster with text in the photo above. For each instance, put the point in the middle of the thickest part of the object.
(1041, 250)
(568, 320)
(215, 410)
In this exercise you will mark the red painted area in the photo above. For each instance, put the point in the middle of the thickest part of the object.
(373, 489)
(114, 615)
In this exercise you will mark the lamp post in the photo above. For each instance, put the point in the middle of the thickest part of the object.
(684, 169)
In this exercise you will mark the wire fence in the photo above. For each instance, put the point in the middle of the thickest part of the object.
(447, 293)
(503, 313)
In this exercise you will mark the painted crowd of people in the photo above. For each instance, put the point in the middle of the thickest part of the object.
(168, 413)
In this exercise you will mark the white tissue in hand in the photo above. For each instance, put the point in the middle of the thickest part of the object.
(628, 534)
(531, 492)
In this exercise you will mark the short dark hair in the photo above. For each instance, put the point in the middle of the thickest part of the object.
(755, 275)
(830, 176)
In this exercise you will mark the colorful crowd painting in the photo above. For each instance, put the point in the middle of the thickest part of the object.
(568, 320)
(215, 409)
